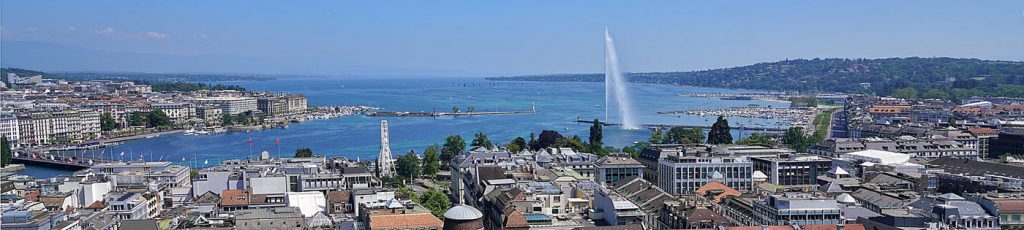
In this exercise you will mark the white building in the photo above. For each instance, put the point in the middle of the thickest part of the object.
(296, 103)
(71, 126)
(9, 128)
(179, 112)
(877, 156)
(134, 205)
(229, 105)
(309, 203)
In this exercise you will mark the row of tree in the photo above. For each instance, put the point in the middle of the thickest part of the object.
(153, 119)
(6, 156)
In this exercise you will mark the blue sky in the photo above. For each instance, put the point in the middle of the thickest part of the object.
(491, 38)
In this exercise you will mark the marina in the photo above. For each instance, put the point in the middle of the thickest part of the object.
(666, 126)
(533, 110)
(773, 97)
(790, 116)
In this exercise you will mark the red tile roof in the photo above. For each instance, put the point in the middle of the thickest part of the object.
(1010, 206)
(831, 227)
(515, 219)
(981, 130)
(721, 189)
(234, 197)
(405, 221)
(32, 196)
(338, 196)
(99, 204)
(759, 228)
(52, 201)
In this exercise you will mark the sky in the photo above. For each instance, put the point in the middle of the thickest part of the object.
(489, 38)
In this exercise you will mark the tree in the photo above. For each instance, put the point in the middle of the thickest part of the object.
(761, 139)
(656, 137)
(136, 119)
(533, 144)
(513, 148)
(720, 132)
(408, 165)
(453, 146)
(796, 139)
(107, 122)
(634, 151)
(157, 118)
(436, 201)
(934, 94)
(596, 134)
(455, 109)
(242, 119)
(226, 120)
(517, 145)
(574, 143)
(596, 143)
(951, 121)
(905, 93)
(480, 140)
(431, 161)
(546, 139)
(5, 151)
(680, 135)
(303, 152)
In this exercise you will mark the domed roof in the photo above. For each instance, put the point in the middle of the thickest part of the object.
(846, 199)
(463, 212)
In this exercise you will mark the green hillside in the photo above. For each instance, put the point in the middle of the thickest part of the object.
(947, 78)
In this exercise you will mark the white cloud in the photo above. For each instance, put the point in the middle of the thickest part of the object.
(157, 35)
(108, 30)
(72, 29)
(31, 29)
(200, 36)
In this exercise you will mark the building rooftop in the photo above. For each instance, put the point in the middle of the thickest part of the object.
(463, 212)
(404, 221)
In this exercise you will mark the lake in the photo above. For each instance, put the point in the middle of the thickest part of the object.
(558, 105)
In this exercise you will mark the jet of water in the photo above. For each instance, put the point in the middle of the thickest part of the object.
(615, 86)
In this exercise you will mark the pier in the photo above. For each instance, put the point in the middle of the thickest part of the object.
(440, 114)
(664, 126)
(58, 160)
(533, 110)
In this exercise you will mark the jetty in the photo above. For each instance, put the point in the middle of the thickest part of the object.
(58, 160)
(665, 126)
(533, 110)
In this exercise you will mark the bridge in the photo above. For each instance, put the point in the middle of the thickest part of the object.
(663, 126)
(58, 160)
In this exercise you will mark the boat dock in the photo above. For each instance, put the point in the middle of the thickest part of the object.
(532, 110)
(58, 160)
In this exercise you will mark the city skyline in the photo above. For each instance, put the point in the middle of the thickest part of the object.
(489, 39)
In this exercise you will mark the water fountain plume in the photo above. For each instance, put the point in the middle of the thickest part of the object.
(615, 86)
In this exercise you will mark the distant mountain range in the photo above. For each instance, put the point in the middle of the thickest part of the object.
(945, 78)
(55, 57)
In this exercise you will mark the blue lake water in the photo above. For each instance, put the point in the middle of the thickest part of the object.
(558, 106)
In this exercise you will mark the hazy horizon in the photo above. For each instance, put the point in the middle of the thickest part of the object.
(458, 39)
